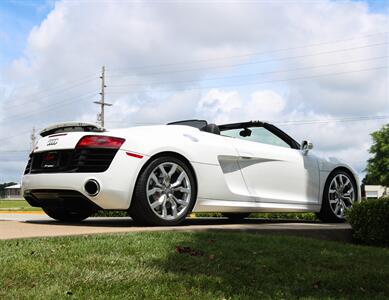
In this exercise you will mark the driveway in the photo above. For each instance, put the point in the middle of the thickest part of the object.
(22, 225)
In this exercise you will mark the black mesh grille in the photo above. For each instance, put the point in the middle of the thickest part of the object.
(28, 167)
(92, 160)
(85, 160)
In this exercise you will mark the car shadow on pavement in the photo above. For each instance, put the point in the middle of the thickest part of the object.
(128, 222)
(302, 228)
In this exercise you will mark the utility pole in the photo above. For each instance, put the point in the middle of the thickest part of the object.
(33, 139)
(102, 103)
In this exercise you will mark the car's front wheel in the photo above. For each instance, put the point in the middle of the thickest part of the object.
(165, 192)
(340, 193)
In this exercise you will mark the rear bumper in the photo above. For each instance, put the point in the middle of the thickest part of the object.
(116, 184)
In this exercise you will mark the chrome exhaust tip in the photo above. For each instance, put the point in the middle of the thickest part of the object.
(92, 187)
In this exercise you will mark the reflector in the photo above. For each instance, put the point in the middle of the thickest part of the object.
(134, 155)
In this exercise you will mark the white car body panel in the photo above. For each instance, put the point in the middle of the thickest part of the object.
(226, 170)
(291, 176)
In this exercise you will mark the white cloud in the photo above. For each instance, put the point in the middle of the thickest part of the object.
(217, 105)
(265, 105)
(230, 106)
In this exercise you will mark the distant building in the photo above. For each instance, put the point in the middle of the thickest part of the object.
(12, 192)
(376, 191)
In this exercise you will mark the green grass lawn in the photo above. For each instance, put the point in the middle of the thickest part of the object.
(173, 265)
(16, 205)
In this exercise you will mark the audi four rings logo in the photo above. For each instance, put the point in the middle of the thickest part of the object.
(52, 142)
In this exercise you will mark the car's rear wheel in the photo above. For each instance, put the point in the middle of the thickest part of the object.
(165, 192)
(340, 193)
(64, 214)
(236, 216)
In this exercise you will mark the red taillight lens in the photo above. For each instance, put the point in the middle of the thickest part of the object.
(100, 141)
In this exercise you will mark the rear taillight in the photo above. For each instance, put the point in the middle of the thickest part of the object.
(100, 141)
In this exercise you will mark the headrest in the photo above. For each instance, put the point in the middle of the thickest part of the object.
(211, 128)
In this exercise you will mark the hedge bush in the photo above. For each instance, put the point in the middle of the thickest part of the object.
(370, 221)
(286, 216)
(110, 213)
(278, 216)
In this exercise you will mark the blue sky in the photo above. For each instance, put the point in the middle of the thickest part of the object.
(378, 5)
(17, 18)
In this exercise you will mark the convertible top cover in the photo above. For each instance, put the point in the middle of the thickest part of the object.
(192, 123)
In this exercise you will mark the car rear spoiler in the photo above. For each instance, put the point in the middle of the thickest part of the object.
(71, 127)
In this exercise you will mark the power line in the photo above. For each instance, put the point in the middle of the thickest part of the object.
(47, 108)
(15, 151)
(248, 54)
(260, 82)
(44, 110)
(325, 121)
(260, 61)
(55, 91)
(292, 122)
(307, 77)
(55, 106)
(249, 75)
(15, 135)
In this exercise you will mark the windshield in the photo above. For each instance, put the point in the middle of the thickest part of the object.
(256, 134)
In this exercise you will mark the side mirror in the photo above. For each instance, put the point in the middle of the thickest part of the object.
(245, 132)
(306, 146)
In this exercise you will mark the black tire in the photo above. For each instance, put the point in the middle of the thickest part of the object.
(326, 213)
(63, 214)
(140, 210)
(236, 216)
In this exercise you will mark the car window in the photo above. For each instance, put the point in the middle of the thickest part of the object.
(256, 134)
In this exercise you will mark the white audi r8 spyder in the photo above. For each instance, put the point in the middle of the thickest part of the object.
(159, 174)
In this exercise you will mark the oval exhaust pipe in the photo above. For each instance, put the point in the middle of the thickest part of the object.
(92, 187)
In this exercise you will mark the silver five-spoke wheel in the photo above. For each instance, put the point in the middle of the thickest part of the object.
(341, 195)
(168, 191)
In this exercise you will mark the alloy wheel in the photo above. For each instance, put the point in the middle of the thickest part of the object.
(168, 191)
(341, 194)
